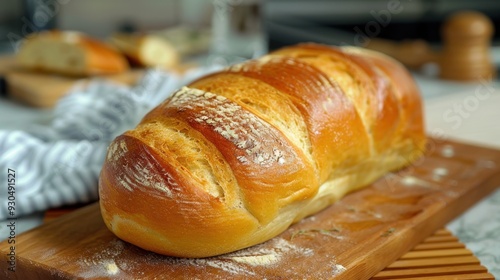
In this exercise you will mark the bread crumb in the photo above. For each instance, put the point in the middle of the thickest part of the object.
(338, 268)
(447, 151)
(409, 181)
(111, 268)
(388, 232)
(439, 172)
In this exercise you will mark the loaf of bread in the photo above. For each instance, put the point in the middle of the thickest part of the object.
(146, 50)
(236, 157)
(69, 53)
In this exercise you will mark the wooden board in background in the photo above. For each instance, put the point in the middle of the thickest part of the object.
(440, 256)
(43, 90)
(354, 239)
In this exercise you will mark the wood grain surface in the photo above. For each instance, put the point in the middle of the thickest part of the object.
(355, 238)
(440, 256)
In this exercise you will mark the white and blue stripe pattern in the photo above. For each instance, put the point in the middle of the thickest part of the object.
(60, 164)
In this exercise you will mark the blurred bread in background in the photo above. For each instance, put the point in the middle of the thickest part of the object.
(69, 53)
(49, 63)
(146, 50)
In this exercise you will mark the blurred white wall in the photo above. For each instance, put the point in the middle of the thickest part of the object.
(101, 18)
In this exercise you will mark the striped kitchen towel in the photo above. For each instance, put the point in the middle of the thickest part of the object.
(59, 164)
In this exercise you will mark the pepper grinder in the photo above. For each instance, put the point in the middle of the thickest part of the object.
(466, 52)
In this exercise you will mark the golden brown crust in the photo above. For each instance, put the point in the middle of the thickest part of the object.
(126, 190)
(261, 99)
(254, 150)
(241, 154)
(411, 121)
(330, 117)
(372, 92)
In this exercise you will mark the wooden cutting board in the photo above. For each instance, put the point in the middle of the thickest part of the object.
(354, 239)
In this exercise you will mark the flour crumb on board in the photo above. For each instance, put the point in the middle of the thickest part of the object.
(338, 268)
(447, 151)
(100, 268)
(111, 267)
(102, 263)
(438, 173)
(410, 181)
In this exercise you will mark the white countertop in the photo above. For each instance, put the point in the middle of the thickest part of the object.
(466, 112)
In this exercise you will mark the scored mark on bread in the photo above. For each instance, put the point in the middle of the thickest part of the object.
(139, 174)
(233, 123)
(145, 175)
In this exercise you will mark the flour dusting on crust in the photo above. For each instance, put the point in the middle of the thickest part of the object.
(242, 128)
